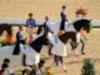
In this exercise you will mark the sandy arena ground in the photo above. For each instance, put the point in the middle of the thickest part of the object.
(74, 64)
(42, 8)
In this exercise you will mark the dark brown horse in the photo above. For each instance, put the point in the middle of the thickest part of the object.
(7, 28)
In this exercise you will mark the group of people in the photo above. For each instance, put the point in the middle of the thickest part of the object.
(31, 25)
(31, 29)
(5, 68)
(37, 69)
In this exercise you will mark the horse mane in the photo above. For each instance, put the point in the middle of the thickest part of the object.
(38, 43)
(81, 23)
(5, 27)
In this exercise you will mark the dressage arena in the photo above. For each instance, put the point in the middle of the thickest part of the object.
(52, 8)
(42, 8)
(74, 64)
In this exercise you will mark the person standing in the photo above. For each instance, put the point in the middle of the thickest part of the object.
(30, 24)
(82, 41)
(63, 18)
(79, 16)
(9, 70)
(4, 69)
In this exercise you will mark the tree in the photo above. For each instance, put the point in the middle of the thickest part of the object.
(89, 68)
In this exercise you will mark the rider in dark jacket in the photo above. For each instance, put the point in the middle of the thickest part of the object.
(63, 18)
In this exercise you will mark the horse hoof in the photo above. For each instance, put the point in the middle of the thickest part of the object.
(77, 55)
(48, 68)
(65, 70)
(83, 53)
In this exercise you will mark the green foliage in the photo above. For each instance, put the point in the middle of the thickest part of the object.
(4, 43)
(91, 26)
(89, 68)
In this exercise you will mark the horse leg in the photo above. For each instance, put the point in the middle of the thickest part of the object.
(24, 60)
(75, 49)
(75, 44)
(39, 30)
(72, 48)
(55, 59)
(62, 63)
(50, 46)
(24, 63)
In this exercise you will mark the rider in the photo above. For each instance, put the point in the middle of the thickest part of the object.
(47, 30)
(19, 35)
(47, 25)
(19, 38)
(63, 19)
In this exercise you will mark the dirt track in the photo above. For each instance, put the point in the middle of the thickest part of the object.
(73, 63)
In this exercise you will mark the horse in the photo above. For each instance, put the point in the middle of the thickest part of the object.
(6, 27)
(74, 35)
(32, 52)
(36, 46)
(63, 39)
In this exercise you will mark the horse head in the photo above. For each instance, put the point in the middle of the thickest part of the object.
(9, 31)
(6, 27)
(83, 23)
(87, 26)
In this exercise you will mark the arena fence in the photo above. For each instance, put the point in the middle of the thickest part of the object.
(22, 21)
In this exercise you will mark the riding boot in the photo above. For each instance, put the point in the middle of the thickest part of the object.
(24, 60)
(50, 48)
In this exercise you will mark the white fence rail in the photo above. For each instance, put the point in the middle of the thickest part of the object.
(38, 21)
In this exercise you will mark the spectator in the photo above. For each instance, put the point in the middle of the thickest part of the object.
(42, 67)
(4, 69)
(28, 70)
(30, 24)
(9, 71)
(35, 70)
